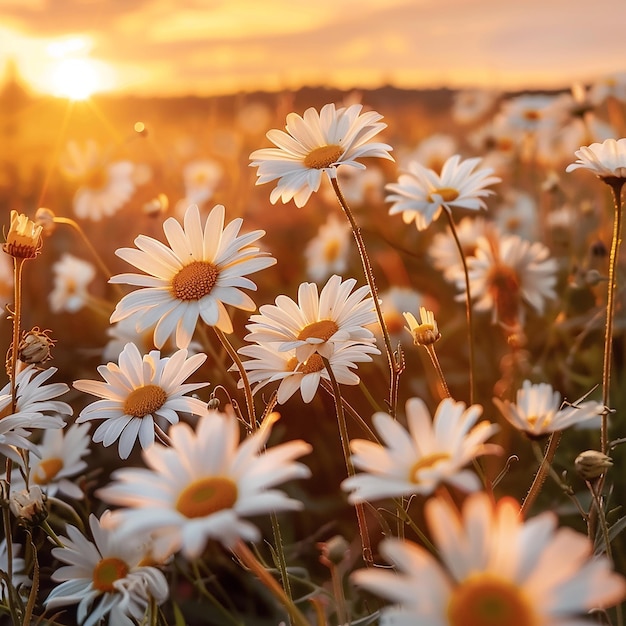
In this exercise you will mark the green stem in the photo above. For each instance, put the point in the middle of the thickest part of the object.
(248, 559)
(542, 472)
(616, 185)
(345, 447)
(396, 360)
(468, 306)
(244, 377)
(34, 589)
(280, 552)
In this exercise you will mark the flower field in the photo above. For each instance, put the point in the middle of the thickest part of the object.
(314, 358)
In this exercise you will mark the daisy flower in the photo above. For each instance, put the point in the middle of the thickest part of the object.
(136, 392)
(19, 566)
(318, 321)
(471, 105)
(59, 458)
(35, 407)
(314, 144)
(606, 160)
(528, 112)
(610, 86)
(201, 178)
(496, 569)
(203, 269)
(539, 410)
(433, 151)
(327, 253)
(104, 187)
(444, 252)
(431, 452)
(107, 190)
(268, 364)
(107, 572)
(507, 272)
(421, 193)
(72, 277)
(202, 486)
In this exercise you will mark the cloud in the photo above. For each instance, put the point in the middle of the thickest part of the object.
(203, 45)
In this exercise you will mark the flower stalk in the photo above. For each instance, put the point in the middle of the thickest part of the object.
(468, 309)
(616, 185)
(395, 358)
(345, 447)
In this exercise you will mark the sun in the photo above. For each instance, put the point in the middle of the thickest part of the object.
(76, 79)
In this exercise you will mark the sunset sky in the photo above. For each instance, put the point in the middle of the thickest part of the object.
(168, 47)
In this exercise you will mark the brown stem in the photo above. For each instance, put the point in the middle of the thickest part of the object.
(468, 306)
(396, 360)
(616, 185)
(244, 377)
(542, 472)
(246, 556)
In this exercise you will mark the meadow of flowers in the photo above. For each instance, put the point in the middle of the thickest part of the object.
(317, 365)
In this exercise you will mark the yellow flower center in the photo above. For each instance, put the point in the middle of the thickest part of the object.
(504, 287)
(194, 281)
(426, 462)
(313, 364)
(322, 157)
(532, 115)
(447, 194)
(487, 600)
(331, 250)
(47, 470)
(144, 400)
(106, 572)
(206, 496)
(96, 178)
(324, 329)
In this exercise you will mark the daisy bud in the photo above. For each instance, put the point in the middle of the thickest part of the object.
(24, 237)
(592, 464)
(35, 347)
(425, 333)
(593, 278)
(213, 404)
(45, 218)
(334, 550)
(29, 506)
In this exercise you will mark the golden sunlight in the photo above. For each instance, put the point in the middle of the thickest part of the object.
(76, 79)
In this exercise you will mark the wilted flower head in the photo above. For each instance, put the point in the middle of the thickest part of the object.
(314, 144)
(35, 348)
(425, 332)
(23, 240)
(29, 505)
